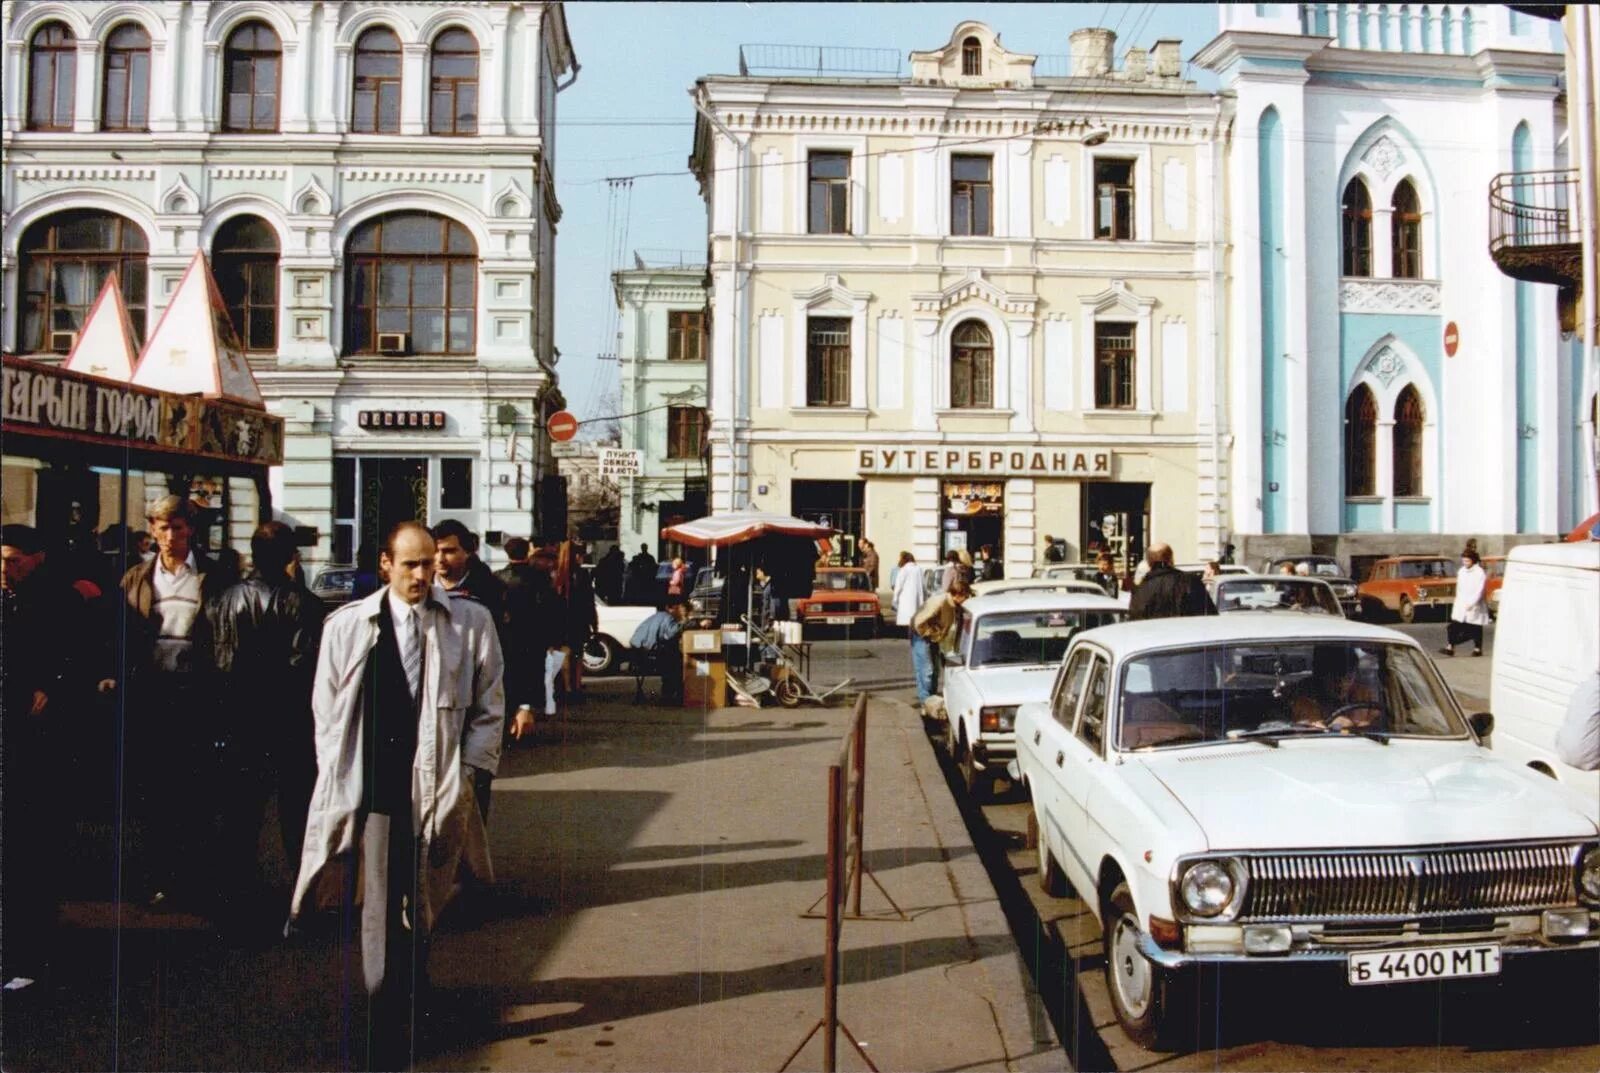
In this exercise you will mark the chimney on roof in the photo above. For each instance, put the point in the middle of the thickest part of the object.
(1092, 52)
(1136, 65)
(1168, 56)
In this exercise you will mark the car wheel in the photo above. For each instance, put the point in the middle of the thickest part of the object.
(600, 655)
(1408, 611)
(1150, 1002)
(1052, 880)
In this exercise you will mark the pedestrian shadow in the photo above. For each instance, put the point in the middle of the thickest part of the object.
(469, 1017)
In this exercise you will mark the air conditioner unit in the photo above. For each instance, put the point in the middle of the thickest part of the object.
(394, 342)
(62, 342)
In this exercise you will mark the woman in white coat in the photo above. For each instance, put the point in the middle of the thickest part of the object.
(1470, 612)
(907, 596)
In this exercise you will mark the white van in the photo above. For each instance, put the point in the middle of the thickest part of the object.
(1547, 640)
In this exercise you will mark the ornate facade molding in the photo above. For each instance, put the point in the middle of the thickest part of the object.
(84, 171)
(235, 171)
(1389, 296)
(1385, 364)
(1384, 156)
(411, 175)
(974, 285)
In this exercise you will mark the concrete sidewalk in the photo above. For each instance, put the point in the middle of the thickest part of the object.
(674, 852)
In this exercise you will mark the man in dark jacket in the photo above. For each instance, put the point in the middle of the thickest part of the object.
(461, 572)
(639, 581)
(168, 707)
(531, 627)
(1167, 592)
(608, 574)
(264, 632)
(44, 690)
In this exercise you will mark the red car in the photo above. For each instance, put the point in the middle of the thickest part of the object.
(842, 596)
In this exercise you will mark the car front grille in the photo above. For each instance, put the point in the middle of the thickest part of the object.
(1408, 884)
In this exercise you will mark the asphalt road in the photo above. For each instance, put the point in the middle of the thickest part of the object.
(1544, 1017)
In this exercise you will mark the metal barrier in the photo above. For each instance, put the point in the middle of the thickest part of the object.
(847, 800)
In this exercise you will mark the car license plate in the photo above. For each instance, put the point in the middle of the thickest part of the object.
(1429, 963)
(838, 620)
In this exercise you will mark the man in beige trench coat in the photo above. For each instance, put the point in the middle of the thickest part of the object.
(409, 705)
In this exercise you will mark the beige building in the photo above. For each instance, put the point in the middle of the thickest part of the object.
(976, 305)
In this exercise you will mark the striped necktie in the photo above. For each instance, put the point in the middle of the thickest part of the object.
(411, 651)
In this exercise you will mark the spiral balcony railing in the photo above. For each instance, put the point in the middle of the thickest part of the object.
(1536, 226)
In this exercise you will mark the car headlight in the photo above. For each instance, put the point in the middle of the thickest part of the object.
(1346, 590)
(1589, 874)
(997, 718)
(1207, 888)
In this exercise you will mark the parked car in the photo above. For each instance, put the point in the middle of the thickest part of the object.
(1495, 567)
(1232, 569)
(705, 599)
(1546, 646)
(1406, 584)
(1278, 790)
(1006, 655)
(607, 651)
(1275, 592)
(1037, 585)
(842, 596)
(1077, 571)
(335, 585)
(1328, 569)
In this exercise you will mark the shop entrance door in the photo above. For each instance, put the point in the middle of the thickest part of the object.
(836, 504)
(1116, 518)
(393, 490)
(973, 515)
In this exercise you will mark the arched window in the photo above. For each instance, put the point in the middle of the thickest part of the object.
(244, 260)
(376, 101)
(971, 367)
(125, 93)
(66, 259)
(1357, 229)
(1408, 421)
(1360, 442)
(1405, 224)
(412, 286)
(52, 77)
(453, 107)
(251, 69)
(972, 56)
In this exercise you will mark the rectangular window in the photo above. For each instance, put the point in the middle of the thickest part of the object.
(1064, 708)
(1092, 723)
(455, 484)
(1113, 366)
(828, 361)
(686, 431)
(686, 335)
(971, 195)
(829, 196)
(1113, 199)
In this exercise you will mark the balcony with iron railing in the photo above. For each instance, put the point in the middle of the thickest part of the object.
(1536, 226)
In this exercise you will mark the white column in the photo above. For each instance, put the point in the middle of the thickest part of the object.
(413, 89)
(86, 89)
(292, 118)
(1020, 526)
(1350, 32)
(1022, 394)
(1019, 186)
(15, 102)
(1144, 373)
(1382, 242)
(1383, 483)
(163, 83)
(492, 77)
(204, 108)
(924, 187)
(925, 513)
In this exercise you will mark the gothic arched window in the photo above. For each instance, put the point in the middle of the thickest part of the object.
(1357, 229)
(1360, 442)
(1409, 418)
(1405, 224)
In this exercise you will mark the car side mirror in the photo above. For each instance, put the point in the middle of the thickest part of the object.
(1482, 723)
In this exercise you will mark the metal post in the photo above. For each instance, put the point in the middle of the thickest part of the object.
(830, 965)
(858, 807)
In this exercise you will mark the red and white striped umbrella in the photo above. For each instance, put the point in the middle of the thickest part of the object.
(738, 526)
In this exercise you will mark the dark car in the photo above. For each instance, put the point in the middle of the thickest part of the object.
(336, 585)
(705, 599)
(1326, 568)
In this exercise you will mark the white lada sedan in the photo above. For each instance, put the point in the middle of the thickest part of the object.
(1275, 789)
(1007, 654)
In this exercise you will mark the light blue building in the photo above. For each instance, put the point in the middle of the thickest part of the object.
(1389, 389)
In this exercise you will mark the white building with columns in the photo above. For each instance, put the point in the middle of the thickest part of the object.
(975, 302)
(1390, 390)
(374, 186)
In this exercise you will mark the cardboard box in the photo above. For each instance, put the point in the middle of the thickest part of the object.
(703, 642)
(705, 680)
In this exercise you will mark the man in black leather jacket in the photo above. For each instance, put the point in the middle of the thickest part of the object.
(1167, 592)
(264, 633)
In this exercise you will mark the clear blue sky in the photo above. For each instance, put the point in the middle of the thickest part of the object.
(629, 112)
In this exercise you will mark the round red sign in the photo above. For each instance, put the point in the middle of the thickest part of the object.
(562, 426)
(1452, 339)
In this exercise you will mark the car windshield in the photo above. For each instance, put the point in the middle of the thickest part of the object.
(1277, 594)
(1265, 690)
(1031, 637)
(1427, 568)
(1317, 567)
(841, 581)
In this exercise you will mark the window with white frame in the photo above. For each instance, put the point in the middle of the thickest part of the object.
(1115, 354)
(828, 361)
(1113, 199)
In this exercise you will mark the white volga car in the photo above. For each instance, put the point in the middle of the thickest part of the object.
(1010, 646)
(1276, 789)
(606, 649)
(1036, 585)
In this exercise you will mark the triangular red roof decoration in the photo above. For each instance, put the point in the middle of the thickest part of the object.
(193, 349)
(105, 346)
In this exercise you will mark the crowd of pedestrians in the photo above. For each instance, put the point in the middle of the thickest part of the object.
(225, 685)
